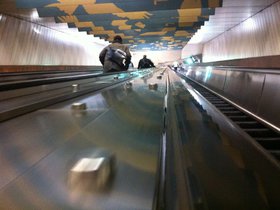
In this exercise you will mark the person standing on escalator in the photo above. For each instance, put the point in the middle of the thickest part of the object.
(115, 57)
(145, 63)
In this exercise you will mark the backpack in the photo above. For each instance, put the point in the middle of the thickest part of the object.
(116, 55)
(145, 63)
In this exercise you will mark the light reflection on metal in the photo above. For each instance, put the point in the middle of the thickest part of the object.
(79, 106)
(153, 86)
(189, 61)
(91, 173)
(36, 31)
(122, 75)
(35, 15)
(250, 24)
(128, 84)
(92, 170)
(197, 73)
(208, 73)
(75, 87)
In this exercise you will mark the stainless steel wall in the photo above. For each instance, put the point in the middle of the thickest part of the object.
(268, 106)
(255, 37)
(257, 91)
(27, 43)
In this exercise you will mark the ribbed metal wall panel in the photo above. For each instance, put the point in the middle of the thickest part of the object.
(255, 37)
(245, 88)
(256, 91)
(27, 43)
(270, 100)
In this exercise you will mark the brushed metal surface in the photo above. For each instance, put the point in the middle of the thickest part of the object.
(253, 91)
(39, 149)
(196, 72)
(223, 166)
(233, 86)
(209, 76)
(256, 90)
(215, 78)
(269, 102)
(228, 164)
(19, 101)
(244, 88)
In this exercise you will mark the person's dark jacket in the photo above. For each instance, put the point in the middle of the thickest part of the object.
(109, 65)
(145, 63)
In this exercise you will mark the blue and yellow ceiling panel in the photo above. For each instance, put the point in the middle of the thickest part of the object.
(113, 6)
(149, 17)
(143, 24)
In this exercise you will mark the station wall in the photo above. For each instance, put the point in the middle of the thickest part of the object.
(27, 43)
(191, 49)
(258, 36)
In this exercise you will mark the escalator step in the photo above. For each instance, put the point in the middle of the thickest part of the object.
(249, 124)
(213, 98)
(277, 138)
(275, 153)
(266, 137)
(215, 101)
(240, 118)
(228, 109)
(222, 105)
(209, 96)
(270, 144)
(260, 132)
(232, 113)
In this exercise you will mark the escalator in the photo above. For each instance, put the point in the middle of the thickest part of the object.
(267, 137)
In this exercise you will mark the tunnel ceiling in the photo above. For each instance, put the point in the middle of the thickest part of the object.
(143, 24)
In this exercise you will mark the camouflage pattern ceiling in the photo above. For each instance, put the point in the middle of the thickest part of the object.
(143, 24)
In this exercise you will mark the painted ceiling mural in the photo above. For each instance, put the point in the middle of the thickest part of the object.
(143, 24)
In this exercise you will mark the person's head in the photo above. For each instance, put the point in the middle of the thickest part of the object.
(144, 56)
(117, 39)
